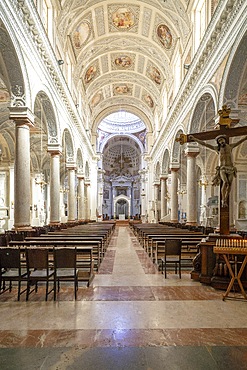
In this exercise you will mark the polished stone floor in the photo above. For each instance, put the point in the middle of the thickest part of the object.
(130, 318)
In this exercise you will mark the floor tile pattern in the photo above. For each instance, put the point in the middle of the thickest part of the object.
(130, 318)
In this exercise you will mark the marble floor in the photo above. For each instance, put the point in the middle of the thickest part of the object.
(130, 318)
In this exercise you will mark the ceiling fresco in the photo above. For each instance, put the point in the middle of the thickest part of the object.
(124, 50)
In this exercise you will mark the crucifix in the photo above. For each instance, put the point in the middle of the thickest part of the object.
(225, 171)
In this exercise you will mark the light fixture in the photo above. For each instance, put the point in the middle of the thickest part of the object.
(60, 62)
(186, 66)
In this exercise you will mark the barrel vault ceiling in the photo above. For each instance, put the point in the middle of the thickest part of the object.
(124, 52)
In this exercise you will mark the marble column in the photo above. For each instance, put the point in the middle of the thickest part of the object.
(174, 191)
(203, 213)
(163, 205)
(81, 206)
(23, 119)
(143, 173)
(156, 196)
(114, 193)
(71, 195)
(100, 193)
(54, 185)
(87, 199)
(11, 196)
(191, 153)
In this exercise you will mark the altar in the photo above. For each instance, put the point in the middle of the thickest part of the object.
(121, 216)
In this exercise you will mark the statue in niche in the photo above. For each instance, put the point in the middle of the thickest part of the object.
(242, 210)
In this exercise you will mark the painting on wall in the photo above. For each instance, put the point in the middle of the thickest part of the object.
(80, 35)
(90, 74)
(123, 61)
(96, 99)
(106, 194)
(142, 137)
(242, 99)
(149, 100)
(154, 74)
(4, 96)
(137, 194)
(121, 89)
(165, 36)
(123, 18)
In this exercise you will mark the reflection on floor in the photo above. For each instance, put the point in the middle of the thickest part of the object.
(130, 318)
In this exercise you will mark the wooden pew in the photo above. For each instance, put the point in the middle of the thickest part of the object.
(98, 248)
(84, 253)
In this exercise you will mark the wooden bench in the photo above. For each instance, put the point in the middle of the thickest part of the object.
(84, 253)
(98, 251)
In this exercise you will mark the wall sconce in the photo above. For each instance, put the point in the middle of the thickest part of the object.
(186, 66)
(77, 105)
(60, 62)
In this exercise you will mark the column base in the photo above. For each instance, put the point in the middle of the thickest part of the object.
(22, 228)
(54, 223)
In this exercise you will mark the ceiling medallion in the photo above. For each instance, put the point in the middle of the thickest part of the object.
(80, 35)
(123, 18)
(154, 74)
(123, 61)
(90, 73)
(164, 36)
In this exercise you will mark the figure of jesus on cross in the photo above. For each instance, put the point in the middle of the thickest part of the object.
(225, 171)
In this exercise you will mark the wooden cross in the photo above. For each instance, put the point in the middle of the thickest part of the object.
(226, 129)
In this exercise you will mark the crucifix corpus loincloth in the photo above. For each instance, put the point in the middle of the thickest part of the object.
(225, 171)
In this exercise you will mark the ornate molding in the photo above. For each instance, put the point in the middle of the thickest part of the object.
(34, 30)
(211, 44)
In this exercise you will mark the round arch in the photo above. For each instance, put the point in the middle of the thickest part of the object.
(106, 112)
(122, 206)
(234, 72)
(165, 162)
(176, 149)
(132, 137)
(11, 55)
(203, 112)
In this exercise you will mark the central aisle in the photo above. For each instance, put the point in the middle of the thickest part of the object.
(130, 318)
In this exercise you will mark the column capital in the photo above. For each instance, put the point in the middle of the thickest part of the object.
(192, 150)
(21, 116)
(80, 175)
(156, 183)
(54, 148)
(71, 166)
(174, 166)
(164, 176)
